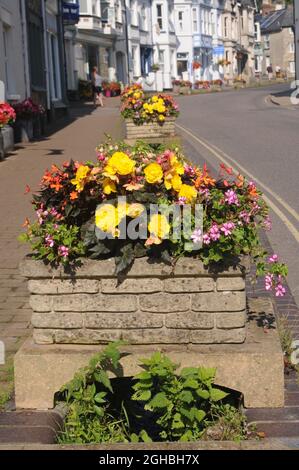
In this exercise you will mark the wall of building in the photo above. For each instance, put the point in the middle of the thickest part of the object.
(282, 51)
(13, 69)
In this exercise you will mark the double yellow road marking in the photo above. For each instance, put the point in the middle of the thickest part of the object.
(229, 161)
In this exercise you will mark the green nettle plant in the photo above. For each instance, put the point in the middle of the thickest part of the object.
(161, 403)
(181, 402)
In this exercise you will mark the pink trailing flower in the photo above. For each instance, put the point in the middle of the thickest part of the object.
(231, 197)
(196, 236)
(227, 228)
(267, 224)
(214, 232)
(273, 259)
(245, 217)
(206, 239)
(280, 290)
(49, 241)
(189, 170)
(63, 251)
(269, 280)
(181, 201)
(204, 192)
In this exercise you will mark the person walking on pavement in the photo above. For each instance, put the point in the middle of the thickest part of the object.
(270, 71)
(97, 82)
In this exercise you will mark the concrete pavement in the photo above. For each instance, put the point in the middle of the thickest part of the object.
(77, 138)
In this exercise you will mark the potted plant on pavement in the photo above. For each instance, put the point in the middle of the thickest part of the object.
(148, 117)
(28, 124)
(7, 117)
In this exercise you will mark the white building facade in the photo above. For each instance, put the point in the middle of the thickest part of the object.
(198, 27)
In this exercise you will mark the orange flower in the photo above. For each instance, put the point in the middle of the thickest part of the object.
(204, 179)
(26, 222)
(240, 181)
(73, 195)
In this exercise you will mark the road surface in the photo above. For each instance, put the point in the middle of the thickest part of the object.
(245, 130)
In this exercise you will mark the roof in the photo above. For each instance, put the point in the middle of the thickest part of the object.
(276, 20)
(248, 3)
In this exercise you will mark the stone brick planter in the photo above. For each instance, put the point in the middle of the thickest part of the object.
(155, 304)
(150, 130)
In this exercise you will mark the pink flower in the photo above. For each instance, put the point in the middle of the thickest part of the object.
(267, 224)
(63, 251)
(280, 290)
(189, 170)
(206, 239)
(269, 281)
(214, 232)
(245, 217)
(227, 228)
(49, 241)
(181, 201)
(273, 258)
(231, 197)
(196, 236)
(204, 192)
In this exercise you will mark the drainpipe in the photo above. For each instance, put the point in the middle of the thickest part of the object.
(127, 42)
(46, 54)
(25, 47)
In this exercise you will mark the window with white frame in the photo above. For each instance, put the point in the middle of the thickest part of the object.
(267, 41)
(194, 20)
(134, 12)
(292, 47)
(180, 20)
(213, 30)
(6, 58)
(83, 6)
(257, 32)
(162, 59)
(226, 26)
(118, 14)
(160, 22)
(292, 66)
(143, 18)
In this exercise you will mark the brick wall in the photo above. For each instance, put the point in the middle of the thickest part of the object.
(154, 304)
(151, 129)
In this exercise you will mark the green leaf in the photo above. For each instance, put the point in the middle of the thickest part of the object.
(189, 371)
(103, 378)
(199, 415)
(142, 395)
(190, 383)
(177, 422)
(134, 437)
(186, 396)
(159, 401)
(100, 397)
(143, 375)
(124, 261)
(144, 436)
(205, 394)
(99, 411)
(206, 374)
(217, 395)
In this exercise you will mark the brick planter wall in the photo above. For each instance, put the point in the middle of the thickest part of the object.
(155, 304)
(149, 130)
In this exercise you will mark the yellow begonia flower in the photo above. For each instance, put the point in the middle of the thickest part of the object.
(106, 218)
(159, 226)
(161, 117)
(109, 186)
(188, 192)
(120, 163)
(121, 211)
(81, 175)
(155, 99)
(153, 173)
(176, 165)
(135, 210)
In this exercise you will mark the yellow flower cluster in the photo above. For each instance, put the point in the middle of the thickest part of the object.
(119, 164)
(108, 217)
(172, 178)
(156, 104)
(158, 227)
(81, 177)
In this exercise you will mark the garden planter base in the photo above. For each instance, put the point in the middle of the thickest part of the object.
(254, 368)
(151, 130)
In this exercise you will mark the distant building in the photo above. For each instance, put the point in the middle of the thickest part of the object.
(276, 42)
(238, 37)
(296, 21)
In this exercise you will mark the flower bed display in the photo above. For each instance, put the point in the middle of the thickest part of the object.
(196, 296)
(7, 117)
(111, 89)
